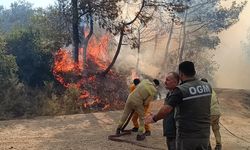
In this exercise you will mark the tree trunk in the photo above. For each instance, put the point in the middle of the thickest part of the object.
(116, 53)
(86, 40)
(178, 50)
(138, 60)
(121, 37)
(184, 39)
(165, 61)
(155, 45)
(84, 52)
(75, 23)
(138, 53)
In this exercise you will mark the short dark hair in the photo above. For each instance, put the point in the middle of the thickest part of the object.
(175, 75)
(187, 68)
(204, 79)
(136, 81)
(157, 82)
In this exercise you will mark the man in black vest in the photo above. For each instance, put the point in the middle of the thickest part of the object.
(191, 99)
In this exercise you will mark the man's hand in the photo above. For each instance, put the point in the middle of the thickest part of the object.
(149, 119)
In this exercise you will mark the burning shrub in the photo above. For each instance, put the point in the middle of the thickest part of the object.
(97, 93)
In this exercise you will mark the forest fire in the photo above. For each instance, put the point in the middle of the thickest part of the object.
(98, 52)
(96, 92)
(63, 63)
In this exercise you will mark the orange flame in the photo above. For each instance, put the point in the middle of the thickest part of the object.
(64, 63)
(98, 52)
(69, 73)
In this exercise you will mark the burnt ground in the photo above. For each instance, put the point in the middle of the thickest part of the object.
(90, 131)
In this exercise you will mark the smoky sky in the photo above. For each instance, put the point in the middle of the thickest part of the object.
(234, 66)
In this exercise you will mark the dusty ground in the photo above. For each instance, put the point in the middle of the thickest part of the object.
(90, 131)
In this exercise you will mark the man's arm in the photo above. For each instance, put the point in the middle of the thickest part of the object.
(174, 99)
(163, 112)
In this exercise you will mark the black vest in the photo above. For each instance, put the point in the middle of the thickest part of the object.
(169, 129)
(193, 113)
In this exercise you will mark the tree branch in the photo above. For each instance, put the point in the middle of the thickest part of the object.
(137, 15)
(91, 27)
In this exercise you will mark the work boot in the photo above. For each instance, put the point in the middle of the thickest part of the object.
(147, 133)
(134, 129)
(118, 131)
(217, 147)
(140, 137)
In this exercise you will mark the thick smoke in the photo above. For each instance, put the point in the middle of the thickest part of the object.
(234, 69)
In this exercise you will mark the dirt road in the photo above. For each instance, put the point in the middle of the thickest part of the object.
(90, 131)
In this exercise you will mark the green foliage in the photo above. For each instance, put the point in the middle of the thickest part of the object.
(65, 103)
(204, 19)
(34, 64)
(31, 36)
(53, 26)
(105, 12)
(223, 18)
(200, 50)
(203, 42)
(15, 99)
(18, 15)
(8, 81)
(26, 82)
(8, 66)
(18, 100)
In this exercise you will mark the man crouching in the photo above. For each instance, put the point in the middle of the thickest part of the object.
(141, 96)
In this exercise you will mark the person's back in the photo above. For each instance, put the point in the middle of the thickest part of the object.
(191, 101)
(143, 91)
(136, 101)
(193, 114)
(135, 114)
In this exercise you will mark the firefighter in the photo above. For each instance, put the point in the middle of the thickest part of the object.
(141, 96)
(215, 119)
(136, 116)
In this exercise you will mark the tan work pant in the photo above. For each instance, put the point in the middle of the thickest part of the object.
(131, 106)
(136, 116)
(216, 128)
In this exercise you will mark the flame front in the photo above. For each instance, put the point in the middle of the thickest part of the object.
(71, 74)
(63, 63)
(98, 52)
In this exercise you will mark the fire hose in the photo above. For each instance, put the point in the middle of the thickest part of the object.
(233, 133)
(126, 132)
